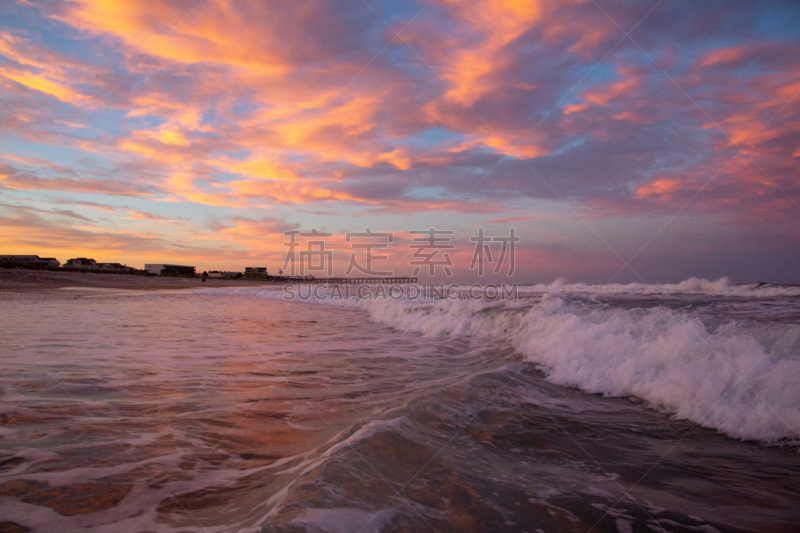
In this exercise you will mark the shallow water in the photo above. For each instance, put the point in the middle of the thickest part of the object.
(230, 410)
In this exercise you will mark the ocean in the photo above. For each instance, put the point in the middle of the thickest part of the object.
(570, 407)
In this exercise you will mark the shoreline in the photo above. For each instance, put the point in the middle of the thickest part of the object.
(19, 279)
(16, 280)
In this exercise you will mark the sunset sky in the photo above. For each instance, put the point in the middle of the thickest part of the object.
(624, 141)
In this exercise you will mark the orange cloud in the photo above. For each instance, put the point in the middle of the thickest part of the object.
(662, 187)
(201, 35)
(43, 70)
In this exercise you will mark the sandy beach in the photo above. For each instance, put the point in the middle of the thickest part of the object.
(22, 279)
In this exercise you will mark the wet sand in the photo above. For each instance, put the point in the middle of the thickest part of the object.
(21, 279)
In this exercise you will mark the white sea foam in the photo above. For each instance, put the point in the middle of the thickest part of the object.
(738, 377)
(720, 287)
(305, 293)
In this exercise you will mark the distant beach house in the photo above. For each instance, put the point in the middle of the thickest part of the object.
(91, 264)
(255, 272)
(175, 270)
(222, 274)
(114, 266)
(80, 262)
(32, 259)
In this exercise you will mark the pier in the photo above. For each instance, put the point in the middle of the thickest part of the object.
(346, 281)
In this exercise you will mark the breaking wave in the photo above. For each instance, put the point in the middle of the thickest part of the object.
(692, 286)
(739, 377)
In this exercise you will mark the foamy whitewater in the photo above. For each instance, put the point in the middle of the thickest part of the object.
(684, 356)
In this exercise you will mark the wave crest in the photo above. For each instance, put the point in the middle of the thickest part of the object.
(737, 378)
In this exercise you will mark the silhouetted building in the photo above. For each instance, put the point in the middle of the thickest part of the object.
(113, 266)
(175, 270)
(255, 272)
(222, 274)
(80, 262)
(33, 259)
